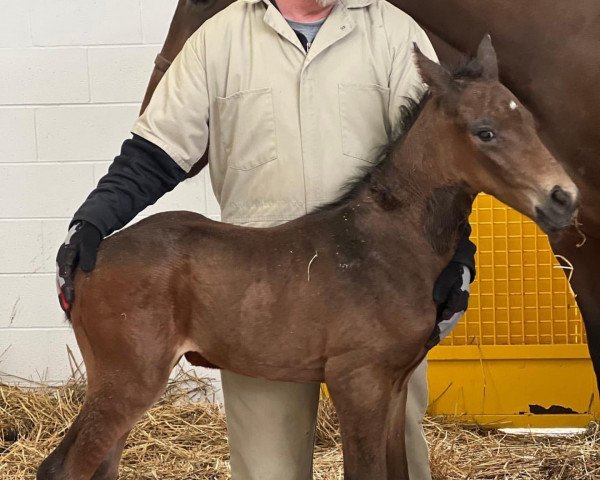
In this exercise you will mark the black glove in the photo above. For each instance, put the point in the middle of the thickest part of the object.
(79, 250)
(138, 177)
(451, 292)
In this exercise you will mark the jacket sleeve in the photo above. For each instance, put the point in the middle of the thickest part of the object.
(138, 177)
(465, 252)
(176, 119)
(405, 80)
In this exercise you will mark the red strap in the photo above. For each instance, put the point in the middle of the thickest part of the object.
(64, 303)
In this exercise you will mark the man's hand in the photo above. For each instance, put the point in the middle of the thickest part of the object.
(451, 296)
(79, 249)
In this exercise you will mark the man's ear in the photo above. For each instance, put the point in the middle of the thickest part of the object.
(432, 73)
(486, 55)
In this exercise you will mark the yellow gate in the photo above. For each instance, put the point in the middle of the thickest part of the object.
(519, 357)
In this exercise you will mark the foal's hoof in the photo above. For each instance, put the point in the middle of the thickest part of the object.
(47, 471)
(52, 468)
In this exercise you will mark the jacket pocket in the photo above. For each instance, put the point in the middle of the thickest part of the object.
(364, 120)
(247, 128)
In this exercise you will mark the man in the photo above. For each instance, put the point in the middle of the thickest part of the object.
(295, 98)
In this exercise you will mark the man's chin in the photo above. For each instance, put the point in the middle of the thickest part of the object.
(326, 3)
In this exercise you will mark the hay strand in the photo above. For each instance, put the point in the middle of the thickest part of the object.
(181, 438)
(578, 226)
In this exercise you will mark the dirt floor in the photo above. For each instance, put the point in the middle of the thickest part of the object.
(181, 439)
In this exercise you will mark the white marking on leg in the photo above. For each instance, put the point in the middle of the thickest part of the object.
(513, 105)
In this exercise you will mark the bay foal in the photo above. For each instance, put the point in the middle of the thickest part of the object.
(342, 295)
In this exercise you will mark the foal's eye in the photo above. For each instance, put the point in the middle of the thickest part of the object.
(485, 135)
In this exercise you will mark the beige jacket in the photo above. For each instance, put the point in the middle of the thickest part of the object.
(287, 129)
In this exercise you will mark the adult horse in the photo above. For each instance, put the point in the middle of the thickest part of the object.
(548, 52)
(341, 295)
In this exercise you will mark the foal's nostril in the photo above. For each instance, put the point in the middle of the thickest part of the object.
(556, 211)
(561, 198)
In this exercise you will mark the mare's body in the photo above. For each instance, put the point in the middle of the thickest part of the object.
(548, 54)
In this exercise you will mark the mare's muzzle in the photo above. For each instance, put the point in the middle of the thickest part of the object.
(557, 211)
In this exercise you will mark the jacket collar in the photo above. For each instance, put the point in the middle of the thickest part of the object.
(346, 3)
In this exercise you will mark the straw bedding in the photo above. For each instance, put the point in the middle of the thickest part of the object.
(186, 440)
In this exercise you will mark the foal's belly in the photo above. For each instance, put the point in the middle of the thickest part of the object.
(281, 351)
(280, 361)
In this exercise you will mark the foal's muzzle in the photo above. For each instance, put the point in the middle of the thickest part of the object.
(557, 211)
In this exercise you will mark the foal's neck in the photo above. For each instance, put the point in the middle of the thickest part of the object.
(420, 185)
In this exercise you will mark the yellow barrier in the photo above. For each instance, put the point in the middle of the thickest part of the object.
(519, 357)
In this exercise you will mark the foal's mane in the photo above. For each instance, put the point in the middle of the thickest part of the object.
(469, 70)
(409, 112)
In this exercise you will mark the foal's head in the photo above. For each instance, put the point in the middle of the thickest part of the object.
(494, 144)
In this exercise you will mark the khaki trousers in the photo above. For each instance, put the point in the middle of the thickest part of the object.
(271, 427)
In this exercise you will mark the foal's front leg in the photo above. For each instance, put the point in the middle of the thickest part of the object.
(370, 401)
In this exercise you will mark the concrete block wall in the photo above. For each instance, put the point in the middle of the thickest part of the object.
(73, 76)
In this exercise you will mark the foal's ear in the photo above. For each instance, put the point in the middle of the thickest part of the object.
(486, 55)
(432, 73)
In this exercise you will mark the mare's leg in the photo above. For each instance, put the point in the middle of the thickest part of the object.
(370, 401)
(586, 284)
(128, 369)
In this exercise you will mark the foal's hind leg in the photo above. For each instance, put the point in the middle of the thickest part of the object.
(126, 375)
(370, 404)
(92, 447)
